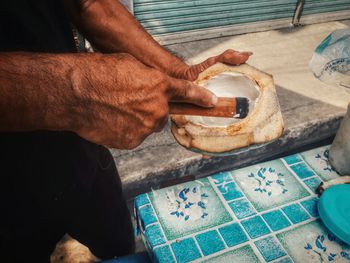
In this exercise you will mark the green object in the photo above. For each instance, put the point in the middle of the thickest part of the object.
(334, 210)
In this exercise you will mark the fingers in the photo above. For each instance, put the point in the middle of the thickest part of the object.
(234, 57)
(186, 91)
(230, 57)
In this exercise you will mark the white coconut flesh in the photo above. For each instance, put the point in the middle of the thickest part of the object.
(228, 84)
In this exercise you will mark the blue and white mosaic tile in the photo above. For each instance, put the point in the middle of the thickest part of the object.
(317, 159)
(313, 243)
(276, 220)
(268, 185)
(244, 254)
(188, 208)
(313, 183)
(230, 239)
(262, 213)
(270, 248)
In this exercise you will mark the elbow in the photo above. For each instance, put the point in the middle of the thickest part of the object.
(79, 7)
(84, 5)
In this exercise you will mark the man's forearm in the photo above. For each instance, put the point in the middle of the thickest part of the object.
(109, 99)
(35, 91)
(111, 28)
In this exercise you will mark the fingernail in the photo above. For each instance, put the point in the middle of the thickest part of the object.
(214, 99)
(250, 53)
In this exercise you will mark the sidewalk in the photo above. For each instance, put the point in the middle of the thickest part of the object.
(311, 109)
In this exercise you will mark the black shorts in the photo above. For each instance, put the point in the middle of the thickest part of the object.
(57, 183)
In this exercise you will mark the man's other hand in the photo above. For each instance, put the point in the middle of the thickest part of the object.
(230, 57)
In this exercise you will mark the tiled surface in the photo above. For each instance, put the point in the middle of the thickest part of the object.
(312, 243)
(242, 208)
(268, 185)
(295, 213)
(243, 254)
(210, 242)
(255, 227)
(190, 208)
(262, 213)
(318, 161)
(230, 239)
(313, 183)
(185, 250)
(276, 220)
(270, 248)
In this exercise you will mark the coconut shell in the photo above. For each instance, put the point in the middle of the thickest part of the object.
(263, 124)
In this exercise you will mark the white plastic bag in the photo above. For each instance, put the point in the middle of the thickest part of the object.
(331, 60)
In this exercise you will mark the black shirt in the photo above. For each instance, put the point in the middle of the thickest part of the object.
(34, 160)
(35, 25)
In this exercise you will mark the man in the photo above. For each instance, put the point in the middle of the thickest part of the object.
(57, 107)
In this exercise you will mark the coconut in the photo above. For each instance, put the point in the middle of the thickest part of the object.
(214, 134)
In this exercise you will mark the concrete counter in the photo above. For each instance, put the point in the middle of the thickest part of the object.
(311, 109)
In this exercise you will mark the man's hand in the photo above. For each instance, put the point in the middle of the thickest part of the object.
(230, 57)
(113, 100)
(123, 101)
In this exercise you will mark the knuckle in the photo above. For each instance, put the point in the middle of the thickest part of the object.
(183, 91)
(162, 114)
(229, 52)
(149, 124)
(160, 78)
(190, 91)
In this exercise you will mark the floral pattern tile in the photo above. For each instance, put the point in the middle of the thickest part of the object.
(188, 208)
(262, 213)
(317, 159)
(313, 243)
(269, 185)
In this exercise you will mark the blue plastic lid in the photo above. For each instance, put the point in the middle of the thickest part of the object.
(334, 210)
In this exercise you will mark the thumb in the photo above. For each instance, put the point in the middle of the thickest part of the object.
(186, 91)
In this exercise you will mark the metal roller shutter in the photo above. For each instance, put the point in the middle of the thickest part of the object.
(160, 17)
(172, 21)
(322, 6)
(315, 11)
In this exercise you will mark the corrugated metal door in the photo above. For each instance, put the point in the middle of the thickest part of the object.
(323, 6)
(169, 16)
(184, 20)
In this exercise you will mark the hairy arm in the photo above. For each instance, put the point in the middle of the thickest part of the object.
(111, 28)
(35, 91)
(112, 100)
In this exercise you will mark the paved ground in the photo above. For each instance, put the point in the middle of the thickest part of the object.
(311, 109)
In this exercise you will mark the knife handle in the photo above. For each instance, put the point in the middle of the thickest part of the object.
(225, 107)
